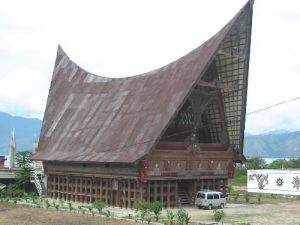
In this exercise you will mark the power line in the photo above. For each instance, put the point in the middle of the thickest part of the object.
(271, 106)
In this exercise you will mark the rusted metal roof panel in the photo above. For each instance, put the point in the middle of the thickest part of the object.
(89, 118)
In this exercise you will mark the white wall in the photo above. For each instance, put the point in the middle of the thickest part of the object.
(285, 182)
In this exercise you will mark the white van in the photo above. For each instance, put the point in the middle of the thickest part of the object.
(210, 199)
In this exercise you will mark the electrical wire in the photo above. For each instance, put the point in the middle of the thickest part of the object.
(272, 106)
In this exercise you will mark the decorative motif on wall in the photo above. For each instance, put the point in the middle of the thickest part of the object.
(261, 179)
(178, 165)
(279, 182)
(296, 182)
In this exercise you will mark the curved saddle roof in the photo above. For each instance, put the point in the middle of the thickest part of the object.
(89, 118)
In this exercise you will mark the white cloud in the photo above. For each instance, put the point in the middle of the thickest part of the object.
(121, 38)
(22, 89)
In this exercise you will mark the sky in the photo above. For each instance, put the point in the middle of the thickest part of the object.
(118, 38)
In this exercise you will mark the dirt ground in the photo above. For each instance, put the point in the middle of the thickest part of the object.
(18, 215)
(273, 213)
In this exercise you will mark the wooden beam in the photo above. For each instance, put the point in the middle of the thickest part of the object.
(219, 85)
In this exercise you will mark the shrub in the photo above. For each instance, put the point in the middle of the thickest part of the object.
(183, 217)
(99, 204)
(218, 215)
(156, 208)
(235, 196)
(61, 202)
(259, 198)
(107, 213)
(47, 204)
(143, 208)
(170, 218)
(70, 205)
(247, 196)
(11, 191)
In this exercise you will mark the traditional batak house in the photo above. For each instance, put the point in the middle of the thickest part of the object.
(159, 136)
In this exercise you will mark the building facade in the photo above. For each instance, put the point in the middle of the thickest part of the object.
(160, 136)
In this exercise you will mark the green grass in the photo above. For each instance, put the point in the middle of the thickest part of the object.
(239, 181)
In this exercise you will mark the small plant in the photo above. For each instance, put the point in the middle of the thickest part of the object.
(156, 208)
(142, 208)
(56, 206)
(99, 204)
(15, 201)
(107, 213)
(170, 218)
(247, 196)
(129, 216)
(183, 217)
(25, 196)
(259, 198)
(235, 196)
(273, 196)
(70, 206)
(47, 203)
(136, 217)
(93, 213)
(218, 215)
(90, 208)
(53, 204)
(148, 218)
(61, 202)
(229, 190)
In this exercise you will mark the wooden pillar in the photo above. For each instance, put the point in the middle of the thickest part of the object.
(176, 193)
(134, 191)
(142, 190)
(91, 188)
(101, 189)
(148, 190)
(54, 185)
(129, 194)
(168, 194)
(80, 189)
(162, 186)
(155, 190)
(67, 189)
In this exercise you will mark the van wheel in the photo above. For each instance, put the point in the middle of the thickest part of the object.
(209, 207)
(222, 206)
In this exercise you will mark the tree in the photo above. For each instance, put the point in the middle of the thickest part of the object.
(255, 163)
(277, 164)
(294, 163)
(24, 162)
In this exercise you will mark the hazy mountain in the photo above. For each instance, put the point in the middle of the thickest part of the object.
(26, 130)
(274, 144)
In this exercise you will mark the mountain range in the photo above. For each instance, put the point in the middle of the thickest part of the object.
(26, 131)
(273, 144)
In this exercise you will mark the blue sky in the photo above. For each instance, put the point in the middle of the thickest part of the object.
(123, 38)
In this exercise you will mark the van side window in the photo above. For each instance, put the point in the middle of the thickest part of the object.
(201, 195)
(216, 196)
(210, 196)
(222, 195)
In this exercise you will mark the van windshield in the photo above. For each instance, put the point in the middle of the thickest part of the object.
(201, 195)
